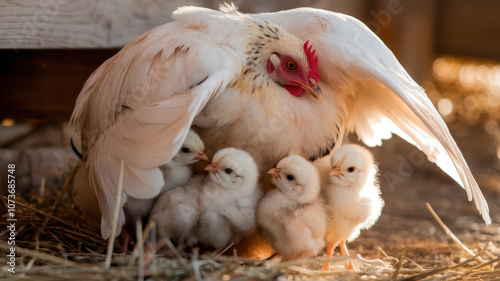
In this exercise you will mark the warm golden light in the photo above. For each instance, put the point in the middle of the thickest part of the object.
(441, 67)
(445, 107)
(491, 127)
(8, 122)
(468, 90)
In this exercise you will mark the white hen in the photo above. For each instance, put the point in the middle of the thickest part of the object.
(228, 199)
(273, 84)
(292, 215)
(352, 195)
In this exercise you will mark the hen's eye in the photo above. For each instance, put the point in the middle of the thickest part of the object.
(351, 169)
(185, 150)
(228, 171)
(290, 177)
(291, 65)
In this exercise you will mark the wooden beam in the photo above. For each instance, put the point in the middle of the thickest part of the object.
(44, 84)
(27, 24)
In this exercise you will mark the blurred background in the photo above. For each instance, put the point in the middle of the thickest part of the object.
(48, 48)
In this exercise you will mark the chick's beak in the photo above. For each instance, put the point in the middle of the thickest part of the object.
(201, 156)
(335, 172)
(212, 168)
(275, 173)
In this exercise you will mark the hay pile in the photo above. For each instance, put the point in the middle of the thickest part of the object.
(54, 242)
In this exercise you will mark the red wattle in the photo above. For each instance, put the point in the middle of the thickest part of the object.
(294, 90)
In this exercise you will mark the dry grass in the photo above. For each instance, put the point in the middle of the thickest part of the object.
(54, 242)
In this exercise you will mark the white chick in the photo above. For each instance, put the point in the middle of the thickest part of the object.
(352, 195)
(292, 216)
(176, 212)
(176, 173)
(229, 198)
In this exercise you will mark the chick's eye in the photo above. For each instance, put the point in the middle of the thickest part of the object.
(228, 171)
(185, 150)
(290, 177)
(291, 65)
(351, 169)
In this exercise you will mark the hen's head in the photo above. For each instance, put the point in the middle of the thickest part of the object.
(296, 71)
(288, 61)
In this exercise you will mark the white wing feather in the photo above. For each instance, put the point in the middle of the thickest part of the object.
(139, 105)
(381, 97)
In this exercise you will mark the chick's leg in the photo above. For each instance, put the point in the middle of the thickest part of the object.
(343, 250)
(329, 254)
(125, 239)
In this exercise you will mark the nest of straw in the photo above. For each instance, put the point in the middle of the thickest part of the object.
(55, 242)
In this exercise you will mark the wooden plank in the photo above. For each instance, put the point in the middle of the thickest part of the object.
(45, 83)
(27, 24)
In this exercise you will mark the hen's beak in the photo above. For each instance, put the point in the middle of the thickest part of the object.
(335, 172)
(275, 173)
(314, 90)
(201, 156)
(212, 168)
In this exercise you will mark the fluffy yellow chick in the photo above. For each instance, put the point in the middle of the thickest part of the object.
(228, 199)
(292, 216)
(352, 195)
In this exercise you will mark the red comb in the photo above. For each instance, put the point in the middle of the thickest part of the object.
(313, 61)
